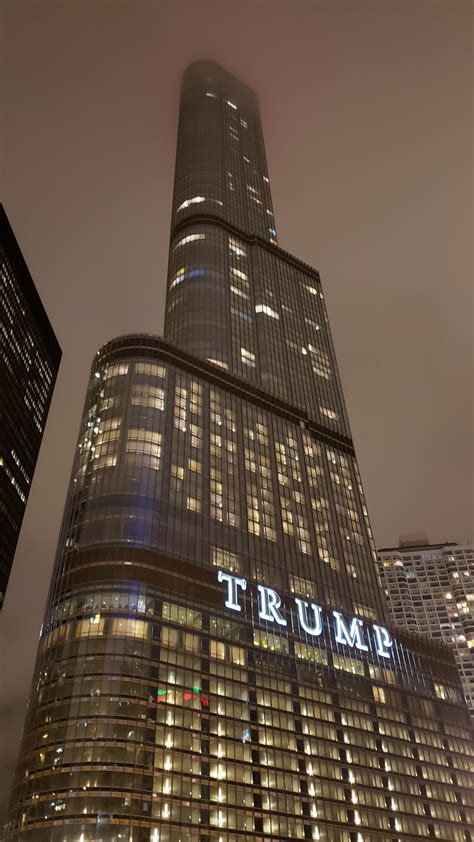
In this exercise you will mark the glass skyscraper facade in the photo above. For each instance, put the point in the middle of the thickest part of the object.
(29, 362)
(214, 662)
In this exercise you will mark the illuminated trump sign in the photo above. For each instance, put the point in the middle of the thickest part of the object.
(352, 632)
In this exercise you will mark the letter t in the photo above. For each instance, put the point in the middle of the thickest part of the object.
(233, 583)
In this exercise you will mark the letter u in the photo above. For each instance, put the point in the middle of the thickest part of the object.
(317, 626)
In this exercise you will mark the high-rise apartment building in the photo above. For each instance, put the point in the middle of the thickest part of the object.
(214, 662)
(430, 591)
(29, 362)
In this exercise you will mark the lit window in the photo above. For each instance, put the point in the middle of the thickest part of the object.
(225, 560)
(236, 247)
(152, 369)
(302, 586)
(193, 505)
(220, 363)
(182, 275)
(191, 238)
(151, 396)
(341, 662)
(239, 274)
(182, 616)
(231, 104)
(238, 292)
(274, 642)
(194, 201)
(145, 444)
(311, 290)
(310, 653)
(113, 370)
(329, 413)
(263, 308)
(247, 357)
(379, 694)
(124, 627)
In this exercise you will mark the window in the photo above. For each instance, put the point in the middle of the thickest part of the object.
(147, 444)
(152, 369)
(310, 653)
(130, 628)
(193, 504)
(273, 642)
(194, 201)
(113, 370)
(191, 238)
(341, 662)
(236, 248)
(263, 308)
(226, 560)
(329, 413)
(302, 586)
(247, 357)
(181, 615)
(150, 396)
(239, 274)
(238, 292)
(183, 275)
(379, 694)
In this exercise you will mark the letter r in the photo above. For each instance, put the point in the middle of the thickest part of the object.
(268, 605)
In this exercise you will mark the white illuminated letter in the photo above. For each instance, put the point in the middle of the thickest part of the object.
(317, 611)
(351, 636)
(233, 583)
(268, 605)
(383, 641)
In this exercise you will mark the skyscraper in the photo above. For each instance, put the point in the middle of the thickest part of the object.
(430, 591)
(214, 662)
(29, 362)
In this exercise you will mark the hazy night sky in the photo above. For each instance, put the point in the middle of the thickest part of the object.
(367, 119)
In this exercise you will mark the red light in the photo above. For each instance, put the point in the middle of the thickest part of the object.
(166, 696)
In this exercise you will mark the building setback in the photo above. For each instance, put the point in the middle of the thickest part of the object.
(215, 663)
(29, 362)
(430, 591)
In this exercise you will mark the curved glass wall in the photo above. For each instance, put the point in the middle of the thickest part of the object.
(156, 714)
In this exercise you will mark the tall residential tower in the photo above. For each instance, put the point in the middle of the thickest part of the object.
(29, 362)
(430, 591)
(214, 662)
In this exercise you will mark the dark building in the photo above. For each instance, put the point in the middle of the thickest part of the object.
(29, 362)
(214, 663)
